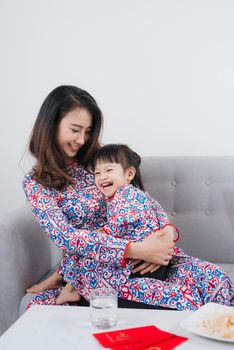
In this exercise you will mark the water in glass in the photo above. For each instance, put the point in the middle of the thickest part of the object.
(103, 308)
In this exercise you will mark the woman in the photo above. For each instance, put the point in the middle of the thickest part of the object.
(61, 191)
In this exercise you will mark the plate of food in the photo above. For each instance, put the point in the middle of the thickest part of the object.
(213, 321)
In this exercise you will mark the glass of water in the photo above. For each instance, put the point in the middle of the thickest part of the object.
(103, 307)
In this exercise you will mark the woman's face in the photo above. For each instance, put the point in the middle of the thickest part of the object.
(73, 131)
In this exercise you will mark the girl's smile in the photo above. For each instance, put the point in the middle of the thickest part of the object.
(109, 177)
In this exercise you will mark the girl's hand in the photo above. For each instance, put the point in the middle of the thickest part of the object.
(144, 267)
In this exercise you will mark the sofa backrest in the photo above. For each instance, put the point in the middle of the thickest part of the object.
(198, 195)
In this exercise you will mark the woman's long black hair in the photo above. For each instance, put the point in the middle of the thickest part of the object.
(50, 168)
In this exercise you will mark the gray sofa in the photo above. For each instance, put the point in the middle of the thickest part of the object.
(196, 192)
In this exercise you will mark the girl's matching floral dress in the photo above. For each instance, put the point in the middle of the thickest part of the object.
(71, 217)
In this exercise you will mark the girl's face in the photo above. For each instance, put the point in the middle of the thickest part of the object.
(73, 131)
(109, 177)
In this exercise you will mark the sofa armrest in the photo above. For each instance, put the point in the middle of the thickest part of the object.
(26, 254)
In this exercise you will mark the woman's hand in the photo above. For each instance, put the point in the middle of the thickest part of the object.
(166, 234)
(153, 249)
(144, 267)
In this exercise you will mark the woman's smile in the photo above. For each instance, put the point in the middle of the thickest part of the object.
(74, 131)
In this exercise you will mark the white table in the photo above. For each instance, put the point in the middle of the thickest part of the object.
(64, 327)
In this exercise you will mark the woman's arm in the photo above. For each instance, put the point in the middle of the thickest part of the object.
(55, 224)
(152, 249)
(161, 236)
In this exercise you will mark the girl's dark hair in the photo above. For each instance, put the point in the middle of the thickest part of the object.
(50, 169)
(121, 154)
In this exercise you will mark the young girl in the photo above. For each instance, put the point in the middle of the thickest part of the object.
(133, 214)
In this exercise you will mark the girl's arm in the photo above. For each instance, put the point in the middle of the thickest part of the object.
(167, 234)
(166, 227)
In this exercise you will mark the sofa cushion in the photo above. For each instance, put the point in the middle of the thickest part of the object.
(197, 193)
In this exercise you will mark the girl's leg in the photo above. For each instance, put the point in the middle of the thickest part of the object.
(191, 283)
(161, 293)
(210, 280)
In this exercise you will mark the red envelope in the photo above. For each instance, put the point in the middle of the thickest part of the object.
(132, 338)
(140, 345)
(167, 344)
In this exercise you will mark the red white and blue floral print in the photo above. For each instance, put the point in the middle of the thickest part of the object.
(93, 259)
(132, 214)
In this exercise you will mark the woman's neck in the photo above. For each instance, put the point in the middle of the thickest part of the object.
(69, 161)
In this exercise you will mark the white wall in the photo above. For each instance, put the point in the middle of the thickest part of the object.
(161, 70)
